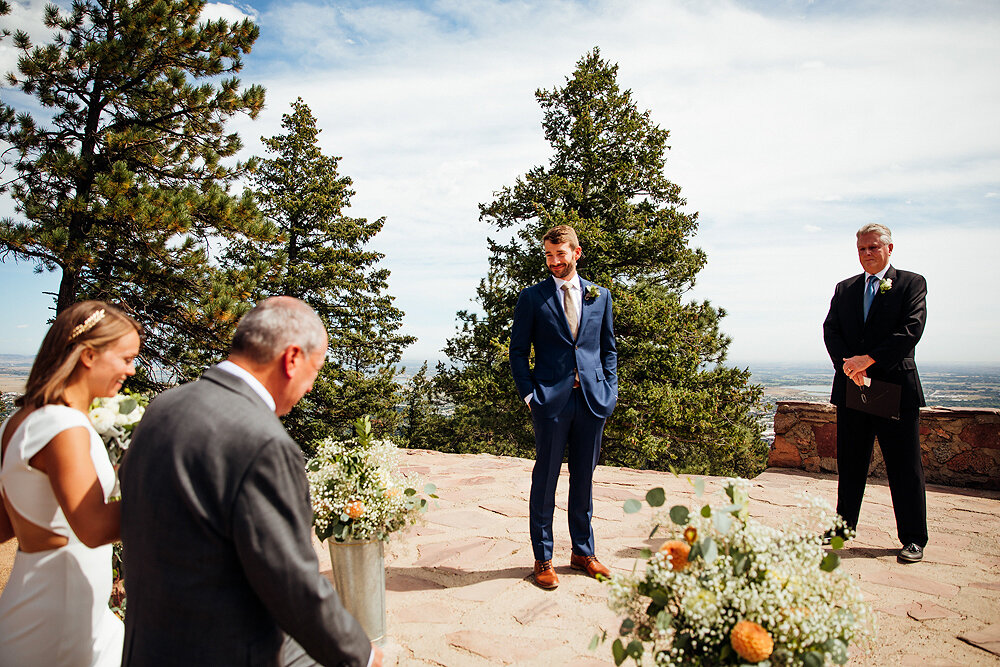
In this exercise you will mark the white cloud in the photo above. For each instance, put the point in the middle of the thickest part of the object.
(230, 12)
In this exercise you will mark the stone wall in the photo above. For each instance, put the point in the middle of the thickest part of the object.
(960, 447)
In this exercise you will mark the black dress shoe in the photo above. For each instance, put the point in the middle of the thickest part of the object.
(911, 553)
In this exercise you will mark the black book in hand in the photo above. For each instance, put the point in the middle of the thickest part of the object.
(880, 399)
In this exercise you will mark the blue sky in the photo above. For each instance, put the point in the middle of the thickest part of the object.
(792, 124)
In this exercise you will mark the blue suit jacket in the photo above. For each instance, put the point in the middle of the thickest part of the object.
(539, 320)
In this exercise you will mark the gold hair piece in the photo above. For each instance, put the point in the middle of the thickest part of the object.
(87, 325)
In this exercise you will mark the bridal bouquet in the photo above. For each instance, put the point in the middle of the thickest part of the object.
(728, 590)
(115, 418)
(358, 492)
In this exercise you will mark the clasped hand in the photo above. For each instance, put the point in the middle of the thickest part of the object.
(854, 368)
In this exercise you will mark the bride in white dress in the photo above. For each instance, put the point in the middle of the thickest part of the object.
(55, 478)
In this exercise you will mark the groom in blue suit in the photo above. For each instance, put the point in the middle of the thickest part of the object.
(571, 391)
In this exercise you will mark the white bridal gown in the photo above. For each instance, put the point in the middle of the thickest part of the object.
(54, 609)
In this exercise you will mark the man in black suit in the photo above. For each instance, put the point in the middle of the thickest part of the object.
(875, 321)
(216, 519)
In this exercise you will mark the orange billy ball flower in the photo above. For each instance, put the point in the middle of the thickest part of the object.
(354, 509)
(678, 552)
(751, 641)
(690, 534)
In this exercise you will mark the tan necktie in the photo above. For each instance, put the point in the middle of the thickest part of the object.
(574, 322)
(570, 308)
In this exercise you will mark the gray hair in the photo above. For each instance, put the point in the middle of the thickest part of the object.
(884, 234)
(274, 324)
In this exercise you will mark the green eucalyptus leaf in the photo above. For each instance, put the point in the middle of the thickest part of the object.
(656, 497)
(410, 492)
(837, 648)
(594, 642)
(628, 625)
(836, 542)
(635, 649)
(645, 553)
(679, 515)
(664, 620)
(813, 659)
(618, 651)
(659, 596)
(722, 522)
(127, 405)
(632, 506)
(731, 492)
(709, 550)
(741, 562)
(699, 487)
(430, 489)
(830, 562)
(706, 511)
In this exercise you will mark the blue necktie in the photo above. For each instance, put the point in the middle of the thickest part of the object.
(870, 290)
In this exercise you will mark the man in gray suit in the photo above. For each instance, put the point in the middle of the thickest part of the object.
(216, 519)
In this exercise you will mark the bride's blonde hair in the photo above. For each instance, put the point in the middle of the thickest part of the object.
(88, 324)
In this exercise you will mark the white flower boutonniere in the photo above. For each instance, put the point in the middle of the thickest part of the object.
(885, 285)
(593, 291)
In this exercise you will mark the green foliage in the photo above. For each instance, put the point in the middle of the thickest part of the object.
(679, 405)
(121, 178)
(320, 256)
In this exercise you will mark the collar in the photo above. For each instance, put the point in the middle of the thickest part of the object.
(573, 282)
(249, 378)
(880, 274)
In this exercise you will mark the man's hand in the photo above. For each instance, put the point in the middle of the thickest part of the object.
(854, 368)
(376, 660)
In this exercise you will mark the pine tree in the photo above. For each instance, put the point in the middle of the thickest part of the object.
(121, 181)
(679, 405)
(321, 257)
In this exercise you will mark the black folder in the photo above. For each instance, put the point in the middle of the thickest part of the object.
(880, 399)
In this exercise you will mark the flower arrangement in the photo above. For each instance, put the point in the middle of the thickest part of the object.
(115, 418)
(885, 285)
(728, 590)
(357, 490)
(593, 291)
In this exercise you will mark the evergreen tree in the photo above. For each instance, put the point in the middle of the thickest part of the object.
(321, 257)
(679, 405)
(121, 182)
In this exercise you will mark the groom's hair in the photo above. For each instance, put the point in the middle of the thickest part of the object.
(562, 234)
(274, 324)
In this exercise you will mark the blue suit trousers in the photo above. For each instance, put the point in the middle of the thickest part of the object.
(577, 430)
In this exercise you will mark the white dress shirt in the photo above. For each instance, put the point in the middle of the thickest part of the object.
(248, 377)
(574, 293)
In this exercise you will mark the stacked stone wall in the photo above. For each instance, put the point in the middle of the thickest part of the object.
(960, 447)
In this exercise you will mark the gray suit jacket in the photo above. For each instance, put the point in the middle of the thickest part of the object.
(216, 525)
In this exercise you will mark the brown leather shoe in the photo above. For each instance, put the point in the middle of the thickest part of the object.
(545, 575)
(589, 564)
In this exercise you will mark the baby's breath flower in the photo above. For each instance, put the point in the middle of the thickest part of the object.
(763, 584)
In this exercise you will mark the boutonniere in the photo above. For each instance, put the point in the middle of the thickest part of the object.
(885, 285)
(593, 291)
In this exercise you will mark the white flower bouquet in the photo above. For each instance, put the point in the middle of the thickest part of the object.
(115, 418)
(358, 492)
(728, 590)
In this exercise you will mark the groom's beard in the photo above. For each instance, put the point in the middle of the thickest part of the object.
(563, 271)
